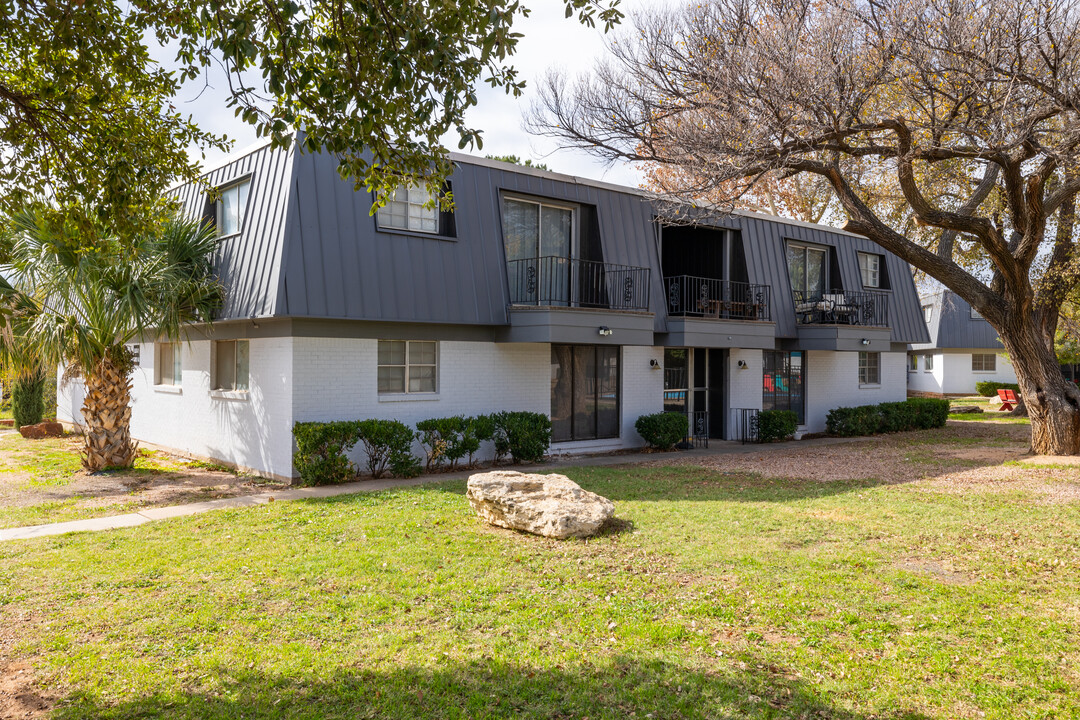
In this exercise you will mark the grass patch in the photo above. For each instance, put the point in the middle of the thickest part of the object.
(991, 416)
(722, 595)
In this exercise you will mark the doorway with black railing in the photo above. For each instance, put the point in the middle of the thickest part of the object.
(694, 386)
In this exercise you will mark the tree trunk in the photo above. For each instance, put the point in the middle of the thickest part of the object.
(107, 414)
(1052, 402)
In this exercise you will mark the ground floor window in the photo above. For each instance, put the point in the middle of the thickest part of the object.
(167, 365)
(869, 368)
(913, 362)
(408, 366)
(231, 365)
(981, 362)
(783, 382)
(928, 363)
(584, 392)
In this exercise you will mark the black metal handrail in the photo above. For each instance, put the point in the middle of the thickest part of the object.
(690, 296)
(560, 281)
(842, 307)
(745, 421)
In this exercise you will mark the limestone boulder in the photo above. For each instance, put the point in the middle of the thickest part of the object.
(553, 506)
(966, 409)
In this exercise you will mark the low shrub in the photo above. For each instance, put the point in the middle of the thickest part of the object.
(525, 436)
(321, 449)
(776, 425)
(662, 430)
(388, 444)
(442, 440)
(989, 388)
(911, 414)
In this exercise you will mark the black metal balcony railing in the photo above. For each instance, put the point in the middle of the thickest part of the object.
(842, 307)
(689, 296)
(559, 281)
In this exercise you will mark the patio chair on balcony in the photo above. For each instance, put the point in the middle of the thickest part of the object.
(814, 309)
(841, 308)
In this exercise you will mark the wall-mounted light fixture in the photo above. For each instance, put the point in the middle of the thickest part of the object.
(864, 341)
(605, 331)
(742, 364)
(654, 364)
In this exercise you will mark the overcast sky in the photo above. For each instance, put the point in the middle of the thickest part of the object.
(550, 41)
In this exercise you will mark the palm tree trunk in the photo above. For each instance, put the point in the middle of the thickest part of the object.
(107, 413)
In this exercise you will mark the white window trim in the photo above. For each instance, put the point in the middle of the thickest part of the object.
(983, 372)
(407, 229)
(169, 389)
(407, 395)
(826, 281)
(230, 394)
(914, 368)
(869, 384)
(878, 259)
(178, 382)
(928, 316)
(226, 393)
(221, 189)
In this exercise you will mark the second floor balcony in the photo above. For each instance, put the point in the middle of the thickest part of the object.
(554, 281)
(691, 296)
(842, 307)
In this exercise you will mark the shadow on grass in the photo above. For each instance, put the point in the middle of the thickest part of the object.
(625, 688)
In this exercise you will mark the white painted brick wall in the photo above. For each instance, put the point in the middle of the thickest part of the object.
(253, 433)
(923, 380)
(832, 381)
(958, 377)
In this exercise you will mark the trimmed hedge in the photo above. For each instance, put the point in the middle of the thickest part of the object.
(662, 430)
(388, 444)
(442, 440)
(911, 414)
(989, 388)
(524, 436)
(321, 449)
(776, 425)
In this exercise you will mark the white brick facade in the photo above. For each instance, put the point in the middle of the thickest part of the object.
(832, 380)
(952, 373)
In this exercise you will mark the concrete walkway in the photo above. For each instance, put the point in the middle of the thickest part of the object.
(113, 522)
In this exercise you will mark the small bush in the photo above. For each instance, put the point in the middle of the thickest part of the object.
(525, 436)
(911, 414)
(442, 439)
(321, 449)
(28, 398)
(662, 430)
(388, 444)
(776, 425)
(475, 430)
(989, 388)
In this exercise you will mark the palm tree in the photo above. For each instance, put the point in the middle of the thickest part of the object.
(77, 305)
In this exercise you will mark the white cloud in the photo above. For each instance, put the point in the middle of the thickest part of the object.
(550, 40)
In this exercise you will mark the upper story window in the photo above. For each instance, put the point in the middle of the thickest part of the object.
(975, 314)
(808, 268)
(534, 229)
(410, 208)
(231, 206)
(870, 269)
(927, 312)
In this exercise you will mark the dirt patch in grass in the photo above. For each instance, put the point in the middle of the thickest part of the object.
(935, 571)
(43, 481)
(19, 695)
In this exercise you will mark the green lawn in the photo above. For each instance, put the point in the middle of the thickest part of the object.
(719, 595)
(989, 413)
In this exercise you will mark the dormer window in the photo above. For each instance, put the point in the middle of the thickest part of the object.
(408, 208)
(230, 208)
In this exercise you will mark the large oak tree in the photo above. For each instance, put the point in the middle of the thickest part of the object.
(734, 90)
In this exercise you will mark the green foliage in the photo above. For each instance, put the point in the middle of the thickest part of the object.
(518, 161)
(989, 388)
(776, 425)
(662, 430)
(388, 444)
(321, 449)
(525, 436)
(443, 440)
(911, 414)
(474, 431)
(28, 397)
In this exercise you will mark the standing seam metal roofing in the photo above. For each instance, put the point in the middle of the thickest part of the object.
(310, 247)
(951, 325)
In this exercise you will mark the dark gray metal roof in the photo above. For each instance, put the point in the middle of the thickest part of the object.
(951, 325)
(310, 247)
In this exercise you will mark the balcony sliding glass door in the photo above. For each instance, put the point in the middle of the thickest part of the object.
(539, 240)
(808, 270)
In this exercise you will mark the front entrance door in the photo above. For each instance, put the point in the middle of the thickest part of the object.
(693, 385)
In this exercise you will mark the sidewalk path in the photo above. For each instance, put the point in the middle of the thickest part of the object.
(112, 522)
